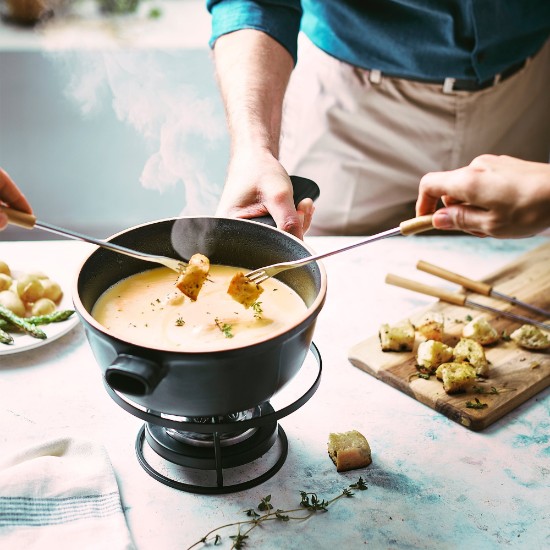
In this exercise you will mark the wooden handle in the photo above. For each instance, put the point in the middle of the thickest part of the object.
(416, 225)
(476, 286)
(446, 296)
(16, 217)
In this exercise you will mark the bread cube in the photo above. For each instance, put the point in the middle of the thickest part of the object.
(480, 330)
(531, 337)
(191, 280)
(243, 290)
(470, 351)
(456, 377)
(399, 337)
(349, 450)
(432, 353)
(431, 326)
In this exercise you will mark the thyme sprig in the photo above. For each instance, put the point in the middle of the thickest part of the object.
(226, 328)
(310, 503)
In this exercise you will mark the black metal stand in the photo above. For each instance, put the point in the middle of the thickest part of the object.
(216, 457)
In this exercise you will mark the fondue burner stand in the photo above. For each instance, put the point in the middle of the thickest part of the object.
(199, 454)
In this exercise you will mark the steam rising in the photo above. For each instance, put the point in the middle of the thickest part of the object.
(151, 91)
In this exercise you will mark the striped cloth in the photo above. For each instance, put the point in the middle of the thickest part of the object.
(61, 494)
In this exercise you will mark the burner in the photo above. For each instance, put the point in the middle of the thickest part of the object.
(207, 440)
(221, 454)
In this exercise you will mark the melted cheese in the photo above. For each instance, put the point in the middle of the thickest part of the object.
(148, 309)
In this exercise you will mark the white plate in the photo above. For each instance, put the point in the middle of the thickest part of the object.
(25, 342)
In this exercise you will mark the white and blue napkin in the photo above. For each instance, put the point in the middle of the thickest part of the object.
(61, 494)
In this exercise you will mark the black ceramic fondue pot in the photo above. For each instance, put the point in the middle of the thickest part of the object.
(201, 383)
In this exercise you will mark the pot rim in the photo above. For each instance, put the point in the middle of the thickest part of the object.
(311, 310)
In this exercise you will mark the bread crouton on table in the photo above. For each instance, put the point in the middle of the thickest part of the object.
(349, 450)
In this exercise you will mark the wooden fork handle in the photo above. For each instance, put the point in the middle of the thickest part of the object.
(416, 225)
(446, 296)
(470, 284)
(16, 217)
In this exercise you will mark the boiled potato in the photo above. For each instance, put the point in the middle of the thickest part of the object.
(30, 288)
(5, 281)
(43, 306)
(13, 302)
(52, 290)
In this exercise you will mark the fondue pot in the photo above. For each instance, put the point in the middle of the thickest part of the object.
(201, 383)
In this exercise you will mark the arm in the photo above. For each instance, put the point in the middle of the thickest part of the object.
(10, 195)
(496, 196)
(253, 70)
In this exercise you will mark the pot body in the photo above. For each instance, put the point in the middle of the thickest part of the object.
(206, 383)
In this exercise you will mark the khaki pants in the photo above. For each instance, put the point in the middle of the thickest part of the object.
(367, 144)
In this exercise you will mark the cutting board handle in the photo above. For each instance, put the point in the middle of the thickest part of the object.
(446, 296)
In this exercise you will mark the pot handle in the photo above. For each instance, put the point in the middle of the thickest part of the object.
(133, 375)
(304, 188)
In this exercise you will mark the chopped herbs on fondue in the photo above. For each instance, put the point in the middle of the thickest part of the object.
(148, 309)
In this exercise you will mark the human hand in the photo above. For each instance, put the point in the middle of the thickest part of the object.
(258, 185)
(497, 196)
(11, 195)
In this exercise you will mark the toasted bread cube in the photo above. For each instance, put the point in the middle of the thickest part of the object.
(349, 450)
(191, 280)
(470, 351)
(480, 330)
(531, 337)
(456, 377)
(432, 353)
(399, 337)
(243, 290)
(431, 326)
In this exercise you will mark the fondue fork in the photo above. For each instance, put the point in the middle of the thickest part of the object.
(477, 286)
(29, 221)
(407, 227)
(458, 299)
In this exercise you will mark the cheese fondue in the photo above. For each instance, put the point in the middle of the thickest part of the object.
(147, 309)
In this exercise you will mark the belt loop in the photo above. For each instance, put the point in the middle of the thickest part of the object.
(448, 85)
(375, 76)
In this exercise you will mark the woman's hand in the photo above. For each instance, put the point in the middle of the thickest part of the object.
(497, 196)
(11, 195)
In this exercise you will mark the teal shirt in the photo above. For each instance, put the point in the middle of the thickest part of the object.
(425, 40)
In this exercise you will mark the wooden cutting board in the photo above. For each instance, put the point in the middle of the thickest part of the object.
(516, 373)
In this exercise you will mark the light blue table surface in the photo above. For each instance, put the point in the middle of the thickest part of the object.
(432, 482)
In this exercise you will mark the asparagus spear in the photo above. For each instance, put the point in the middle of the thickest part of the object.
(55, 317)
(5, 338)
(21, 323)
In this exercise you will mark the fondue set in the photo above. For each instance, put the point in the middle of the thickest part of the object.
(209, 414)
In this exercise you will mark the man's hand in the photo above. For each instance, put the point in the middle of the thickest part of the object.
(496, 196)
(257, 186)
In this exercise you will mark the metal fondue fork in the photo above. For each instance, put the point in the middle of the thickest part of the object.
(408, 227)
(29, 221)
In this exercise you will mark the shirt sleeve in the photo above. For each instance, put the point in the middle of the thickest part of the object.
(280, 19)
